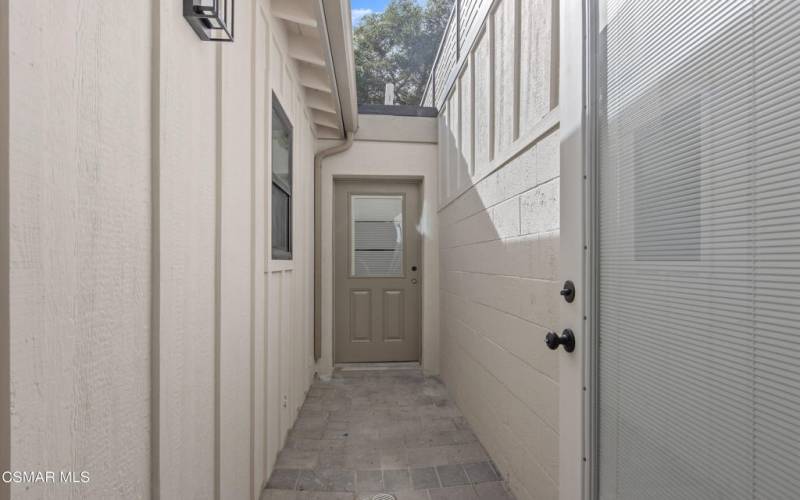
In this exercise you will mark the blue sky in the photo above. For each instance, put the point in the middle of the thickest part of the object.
(360, 8)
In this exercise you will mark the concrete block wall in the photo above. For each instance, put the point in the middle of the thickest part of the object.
(499, 242)
(153, 343)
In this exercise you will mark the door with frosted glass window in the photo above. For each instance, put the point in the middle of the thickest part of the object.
(699, 250)
(376, 271)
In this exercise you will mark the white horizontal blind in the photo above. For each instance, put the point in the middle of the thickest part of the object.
(377, 235)
(699, 221)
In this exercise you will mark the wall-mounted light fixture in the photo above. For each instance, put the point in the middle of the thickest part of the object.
(212, 20)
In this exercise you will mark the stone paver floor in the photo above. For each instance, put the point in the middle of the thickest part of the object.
(383, 431)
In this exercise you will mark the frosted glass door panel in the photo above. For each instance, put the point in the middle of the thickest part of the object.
(699, 224)
(377, 235)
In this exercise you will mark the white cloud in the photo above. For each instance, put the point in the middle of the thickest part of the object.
(359, 13)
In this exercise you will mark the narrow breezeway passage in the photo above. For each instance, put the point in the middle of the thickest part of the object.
(375, 431)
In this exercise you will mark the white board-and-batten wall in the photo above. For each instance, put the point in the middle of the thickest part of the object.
(153, 342)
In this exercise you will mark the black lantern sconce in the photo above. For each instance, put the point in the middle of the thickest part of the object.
(212, 20)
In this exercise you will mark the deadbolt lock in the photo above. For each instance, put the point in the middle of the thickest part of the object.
(568, 291)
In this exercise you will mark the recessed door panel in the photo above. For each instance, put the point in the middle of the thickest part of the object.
(377, 271)
(393, 315)
(360, 314)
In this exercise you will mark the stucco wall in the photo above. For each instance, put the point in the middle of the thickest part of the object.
(388, 146)
(153, 342)
(499, 244)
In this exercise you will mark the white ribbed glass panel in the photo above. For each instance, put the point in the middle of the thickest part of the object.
(377, 235)
(699, 224)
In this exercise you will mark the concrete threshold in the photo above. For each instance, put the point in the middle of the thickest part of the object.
(358, 367)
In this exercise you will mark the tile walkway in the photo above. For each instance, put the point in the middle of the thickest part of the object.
(382, 431)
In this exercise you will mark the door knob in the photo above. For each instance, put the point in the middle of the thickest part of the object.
(567, 339)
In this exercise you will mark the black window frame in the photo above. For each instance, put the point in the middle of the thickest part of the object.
(281, 253)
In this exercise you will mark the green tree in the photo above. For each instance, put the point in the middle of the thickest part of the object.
(398, 46)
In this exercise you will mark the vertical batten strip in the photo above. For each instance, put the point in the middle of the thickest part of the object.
(517, 83)
(471, 115)
(267, 183)
(5, 328)
(491, 84)
(458, 31)
(217, 268)
(155, 259)
(459, 92)
(255, 39)
(555, 57)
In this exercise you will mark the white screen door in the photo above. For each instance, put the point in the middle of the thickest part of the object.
(699, 250)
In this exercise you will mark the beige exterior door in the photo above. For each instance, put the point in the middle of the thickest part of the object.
(377, 275)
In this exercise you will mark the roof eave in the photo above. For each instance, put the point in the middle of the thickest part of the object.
(338, 24)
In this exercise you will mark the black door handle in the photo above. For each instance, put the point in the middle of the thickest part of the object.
(567, 339)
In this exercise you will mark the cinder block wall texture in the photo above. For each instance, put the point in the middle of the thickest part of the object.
(499, 242)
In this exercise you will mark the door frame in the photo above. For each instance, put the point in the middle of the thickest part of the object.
(388, 179)
(592, 25)
(592, 15)
(416, 161)
(578, 43)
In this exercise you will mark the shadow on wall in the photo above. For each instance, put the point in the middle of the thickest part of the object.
(499, 266)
